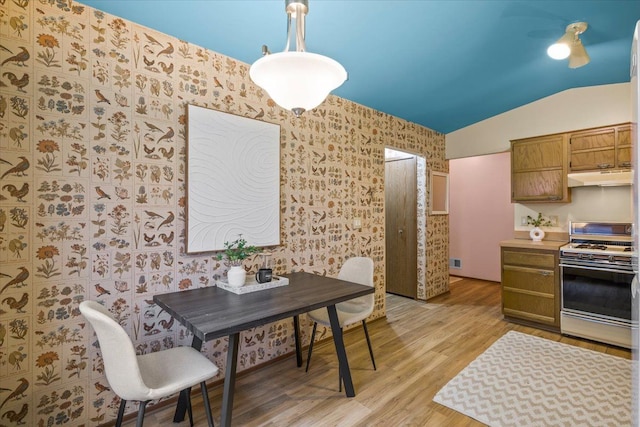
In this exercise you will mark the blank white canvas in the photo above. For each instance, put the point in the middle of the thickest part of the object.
(233, 180)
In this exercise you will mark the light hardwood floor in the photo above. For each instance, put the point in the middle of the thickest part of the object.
(419, 347)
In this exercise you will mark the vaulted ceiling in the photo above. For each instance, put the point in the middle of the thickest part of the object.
(442, 64)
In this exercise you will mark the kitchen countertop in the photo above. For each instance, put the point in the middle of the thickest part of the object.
(530, 244)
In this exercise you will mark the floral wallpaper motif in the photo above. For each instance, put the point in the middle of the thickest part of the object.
(92, 198)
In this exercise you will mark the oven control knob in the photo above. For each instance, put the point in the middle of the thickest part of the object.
(611, 258)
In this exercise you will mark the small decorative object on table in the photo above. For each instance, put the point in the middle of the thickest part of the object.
(236, 252)
(536, 233)
(265, 273)
(253, 286)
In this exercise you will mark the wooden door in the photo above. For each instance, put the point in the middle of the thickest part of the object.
(401, 227)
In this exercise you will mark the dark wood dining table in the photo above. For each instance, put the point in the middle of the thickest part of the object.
(213, 312)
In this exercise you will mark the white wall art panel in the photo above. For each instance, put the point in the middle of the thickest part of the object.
(233, 180)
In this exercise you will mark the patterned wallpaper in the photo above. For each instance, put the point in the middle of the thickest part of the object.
(92, 142)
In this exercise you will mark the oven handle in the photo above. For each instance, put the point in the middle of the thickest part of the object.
(596, 319)
(611, 270)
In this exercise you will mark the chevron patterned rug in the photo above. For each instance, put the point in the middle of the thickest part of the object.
(522, 380)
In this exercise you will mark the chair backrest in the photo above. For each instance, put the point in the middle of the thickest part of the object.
(360, 270)
(119, 356)
(357, 270)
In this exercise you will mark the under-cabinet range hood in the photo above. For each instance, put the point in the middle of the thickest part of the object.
(601, 178)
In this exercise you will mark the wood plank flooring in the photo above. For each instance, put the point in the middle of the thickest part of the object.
(418, 348)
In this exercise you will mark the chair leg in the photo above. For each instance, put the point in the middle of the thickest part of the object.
(123, 404)
(140, 419)
(207, 405)
(339, 376)
(313, 337)
(366, 334)
(189, 409)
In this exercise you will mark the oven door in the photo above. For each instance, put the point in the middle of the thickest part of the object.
(599, 292)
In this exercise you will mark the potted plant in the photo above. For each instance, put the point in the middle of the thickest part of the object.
(536, 233)
(235, 252)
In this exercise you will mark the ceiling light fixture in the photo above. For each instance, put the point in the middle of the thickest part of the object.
(570, 45)
(297, 80)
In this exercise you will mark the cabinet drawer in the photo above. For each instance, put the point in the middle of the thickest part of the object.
(530, 307)
(528, 279)
(529, 259)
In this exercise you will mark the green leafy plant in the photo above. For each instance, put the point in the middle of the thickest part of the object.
(237, 250)
(540, 221)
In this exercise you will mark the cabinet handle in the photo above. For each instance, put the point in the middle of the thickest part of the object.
(625, 164)
(604, 165)
(545, 272)
(554, 198)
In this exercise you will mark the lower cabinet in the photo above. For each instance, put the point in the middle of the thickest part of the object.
(531, 286)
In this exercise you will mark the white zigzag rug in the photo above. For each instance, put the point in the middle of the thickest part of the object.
(522, 380)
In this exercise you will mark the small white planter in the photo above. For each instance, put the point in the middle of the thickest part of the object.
(236, 276)
(536, 234)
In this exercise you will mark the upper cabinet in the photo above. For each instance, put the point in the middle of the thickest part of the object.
(539, 169)
(600, 148)
(539, 165)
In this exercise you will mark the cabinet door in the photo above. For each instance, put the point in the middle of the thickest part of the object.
(623, 147)
(538, 169)
(537, 153)
(594, 149)
(541, 186)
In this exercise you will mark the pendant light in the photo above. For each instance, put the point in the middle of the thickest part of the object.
(297, 80)
(570, 45)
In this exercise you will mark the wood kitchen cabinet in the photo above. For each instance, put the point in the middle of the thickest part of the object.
(531, 286)
(623, 146)
(600, 148)
(539, 169)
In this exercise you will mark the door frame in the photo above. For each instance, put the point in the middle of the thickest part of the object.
(421, 217)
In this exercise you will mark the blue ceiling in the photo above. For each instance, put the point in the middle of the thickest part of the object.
(442, 64)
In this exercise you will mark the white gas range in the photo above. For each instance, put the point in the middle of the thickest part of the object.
(596, 274)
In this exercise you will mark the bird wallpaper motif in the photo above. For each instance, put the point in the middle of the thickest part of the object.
(92, 199)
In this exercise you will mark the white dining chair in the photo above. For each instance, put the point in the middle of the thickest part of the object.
(149, 376)
(357, 270)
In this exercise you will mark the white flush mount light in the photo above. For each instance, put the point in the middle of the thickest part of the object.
(570, 46)
(297, 80)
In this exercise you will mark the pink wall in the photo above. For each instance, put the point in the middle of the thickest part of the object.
(480, 214)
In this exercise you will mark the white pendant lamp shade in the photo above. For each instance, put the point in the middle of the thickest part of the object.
(579, 55)
(297, 80)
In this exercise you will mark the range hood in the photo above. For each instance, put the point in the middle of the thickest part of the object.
(601, 178)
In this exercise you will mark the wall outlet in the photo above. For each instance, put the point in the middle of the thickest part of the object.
(554, 220)
(523, 220)
(455, 263)
(357, 223)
